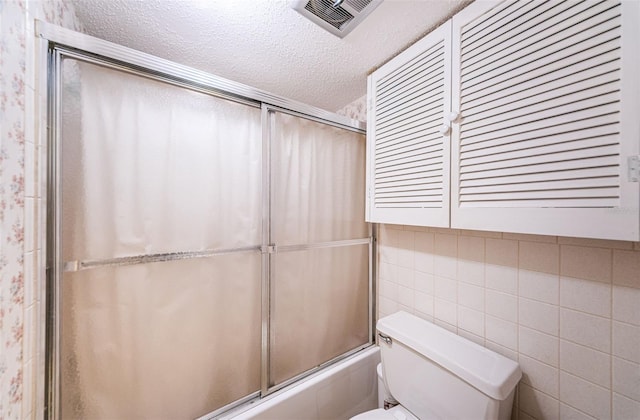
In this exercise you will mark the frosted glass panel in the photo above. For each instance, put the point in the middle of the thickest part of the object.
(318, 182)
(160, 341)
(149, 167)
(319, 309)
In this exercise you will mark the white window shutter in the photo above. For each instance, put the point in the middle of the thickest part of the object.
(549, 98)
(408, 162)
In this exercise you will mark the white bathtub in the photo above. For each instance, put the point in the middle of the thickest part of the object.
(340, 392)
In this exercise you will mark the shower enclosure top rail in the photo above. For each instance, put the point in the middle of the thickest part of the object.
(87, 43)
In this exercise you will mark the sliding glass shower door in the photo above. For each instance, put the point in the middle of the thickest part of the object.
(204, 249)
(161, 234)
(319, 286)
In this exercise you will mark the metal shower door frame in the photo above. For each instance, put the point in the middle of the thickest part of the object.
(57, 43)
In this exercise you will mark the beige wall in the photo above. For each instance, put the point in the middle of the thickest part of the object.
(568, 310)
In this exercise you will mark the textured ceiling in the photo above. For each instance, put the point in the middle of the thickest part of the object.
(265, 43)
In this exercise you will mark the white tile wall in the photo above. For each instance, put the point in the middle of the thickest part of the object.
(567, 309)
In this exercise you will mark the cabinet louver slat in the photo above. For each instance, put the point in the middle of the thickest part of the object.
(572, 124)
(408, 161)
(428, 84)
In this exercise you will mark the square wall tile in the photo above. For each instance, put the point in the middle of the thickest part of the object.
(585, 396)
(446, 311)
(481, 233)
(423, 242)
(424, 282)
(588, 330)
(570, 413)
(445, 325)
(445, 266)
(501, 305)
(596, 243)
(626, 268)
(424, 261)
(586, 363)
(626, 341)
(501, 252)
(28, 388)
(388, 289)
(586, 263)
(626, 304)
(388, 272)
(538, 256)
(471, 336)
(626, 378)
(446, 289)
(388, 245)
(503, 279)
(500, 349)
(471, 296)
(405, 308)
(471, 272)
(502, 332)
(406, 296)
(539, 286)
(530, 238)
(538, 404)
(539, 316)
(29, 167)
(29, 284)
(425, 316)
(539, 375)
(625, 408)
(424, 303)
(471, 248)
(29, 224)
(446, 245)
(587, 296)
(471, 321)
(387, 306)
(521, 415)
(539, 346)
(405, 277)
(405, 249)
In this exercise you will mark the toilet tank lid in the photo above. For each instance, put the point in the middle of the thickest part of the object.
(486, 370)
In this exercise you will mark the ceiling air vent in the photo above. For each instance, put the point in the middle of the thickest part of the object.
(335, 16)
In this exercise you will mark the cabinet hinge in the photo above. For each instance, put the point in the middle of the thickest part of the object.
(633, 168)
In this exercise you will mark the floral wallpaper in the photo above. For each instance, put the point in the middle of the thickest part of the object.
(356, 110)
(18, 198)
(12, 138)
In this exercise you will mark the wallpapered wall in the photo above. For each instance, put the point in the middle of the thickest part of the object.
(20, 201)
(356, 109)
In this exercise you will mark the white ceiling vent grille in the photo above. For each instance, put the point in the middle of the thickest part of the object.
(336, 17)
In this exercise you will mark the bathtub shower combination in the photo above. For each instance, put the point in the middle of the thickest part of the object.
(206, 241)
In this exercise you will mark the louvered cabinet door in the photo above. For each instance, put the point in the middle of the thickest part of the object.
(548, 96)
(408, 144)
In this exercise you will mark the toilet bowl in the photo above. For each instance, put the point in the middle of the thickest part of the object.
(435, 374)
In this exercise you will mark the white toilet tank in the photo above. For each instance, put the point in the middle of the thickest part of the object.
(436, 374)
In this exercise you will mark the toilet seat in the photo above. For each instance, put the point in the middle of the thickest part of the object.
(395, 413)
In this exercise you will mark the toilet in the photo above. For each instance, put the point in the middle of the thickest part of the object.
(435, 374)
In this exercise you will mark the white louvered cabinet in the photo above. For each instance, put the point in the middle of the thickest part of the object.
(407, 148)
(545, 102)
(549, 102)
